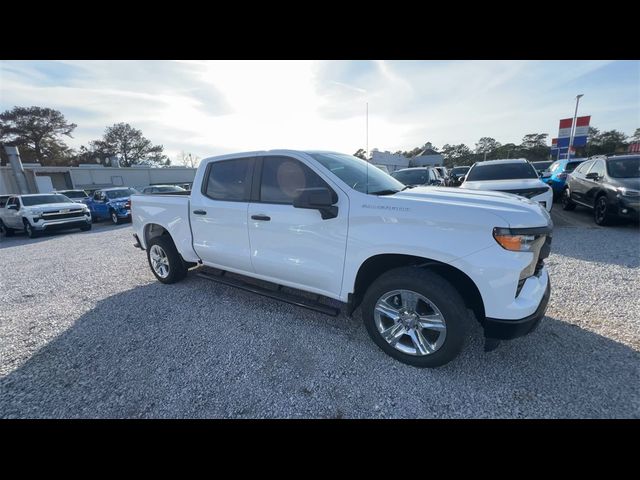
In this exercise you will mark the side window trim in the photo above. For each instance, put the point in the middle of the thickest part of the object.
(248, 186)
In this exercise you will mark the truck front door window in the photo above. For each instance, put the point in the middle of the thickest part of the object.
(283, 177)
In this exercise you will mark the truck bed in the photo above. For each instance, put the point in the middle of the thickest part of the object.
(168, 211)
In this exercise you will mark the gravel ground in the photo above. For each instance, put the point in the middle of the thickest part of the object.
(86, 331)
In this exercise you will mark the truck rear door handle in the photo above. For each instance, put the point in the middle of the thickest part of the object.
(264, 218)
(200, 212)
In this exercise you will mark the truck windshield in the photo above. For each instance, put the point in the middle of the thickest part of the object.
(170, 188)
(504, 171)
(125, 192)
(358, 174)
(74, 194)
(412, 177)
(42, 199)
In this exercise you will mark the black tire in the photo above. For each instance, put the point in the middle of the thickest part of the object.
(439, 292)
(29, 230)
(567, 203)
(114, 217)
(177, 268)
(6, 231)
(602, 211)
(86, 228)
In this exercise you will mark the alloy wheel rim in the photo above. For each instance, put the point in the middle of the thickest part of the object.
(410, 322)
(114, 217)
(159, 261)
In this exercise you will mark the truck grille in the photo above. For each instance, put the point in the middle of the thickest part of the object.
(59, 215)
(527, 192)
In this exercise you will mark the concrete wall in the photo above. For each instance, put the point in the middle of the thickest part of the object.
(96, 177)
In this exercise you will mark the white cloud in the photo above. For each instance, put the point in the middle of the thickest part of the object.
(217, 107)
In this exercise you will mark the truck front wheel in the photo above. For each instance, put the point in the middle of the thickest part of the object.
(164, 260)
(416, 317)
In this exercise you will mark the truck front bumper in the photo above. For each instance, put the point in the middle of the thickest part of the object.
(62, 224)
(501, 329)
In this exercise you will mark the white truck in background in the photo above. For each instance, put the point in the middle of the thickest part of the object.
(415, 260)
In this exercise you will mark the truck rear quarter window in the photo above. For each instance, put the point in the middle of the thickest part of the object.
(229, 180)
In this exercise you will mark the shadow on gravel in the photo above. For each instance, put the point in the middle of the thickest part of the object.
(601, 245)
(199, 349)
(20, 238)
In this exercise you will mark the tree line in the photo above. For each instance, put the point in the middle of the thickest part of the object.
(533, 147)
(39, 133)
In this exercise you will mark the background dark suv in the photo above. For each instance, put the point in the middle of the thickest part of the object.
(609, 185)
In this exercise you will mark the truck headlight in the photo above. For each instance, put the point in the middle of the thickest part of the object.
(514, 242)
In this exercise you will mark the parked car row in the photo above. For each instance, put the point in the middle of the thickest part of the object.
(608, 185)
(68, 209)
(514, 176)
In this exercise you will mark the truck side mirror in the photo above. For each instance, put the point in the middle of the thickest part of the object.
(320, 199)
(592, 175)
(12, 207)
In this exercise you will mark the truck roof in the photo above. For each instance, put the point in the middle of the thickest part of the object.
(281, 151)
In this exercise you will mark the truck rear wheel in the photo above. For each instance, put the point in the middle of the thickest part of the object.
(416, 317)
(164, 260)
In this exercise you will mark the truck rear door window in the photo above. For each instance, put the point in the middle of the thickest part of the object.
(230, 180)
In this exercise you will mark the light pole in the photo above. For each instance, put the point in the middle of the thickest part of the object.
(573, 125)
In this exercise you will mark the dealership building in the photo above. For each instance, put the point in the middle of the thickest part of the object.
(396, 161)
(17, 177)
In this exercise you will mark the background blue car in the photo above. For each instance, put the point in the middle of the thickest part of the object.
(556, 175)
(111, 203)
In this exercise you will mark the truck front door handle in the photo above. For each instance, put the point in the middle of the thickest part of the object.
(199, 212)
(264, 218)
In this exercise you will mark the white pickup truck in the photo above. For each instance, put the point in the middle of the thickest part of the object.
(416, 260)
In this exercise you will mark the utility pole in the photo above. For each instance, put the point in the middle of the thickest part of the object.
(573, 126)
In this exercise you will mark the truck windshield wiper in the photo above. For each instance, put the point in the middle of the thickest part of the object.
(407, 187)
(384, 192)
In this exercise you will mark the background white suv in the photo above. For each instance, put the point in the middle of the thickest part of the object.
(516, 176)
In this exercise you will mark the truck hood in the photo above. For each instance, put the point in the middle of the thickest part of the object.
(512, 184)
(516, 211)
(54, 207)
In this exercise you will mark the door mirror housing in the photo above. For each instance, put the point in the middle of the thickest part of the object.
(12, 207)
(592, 176)
(320, 199)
